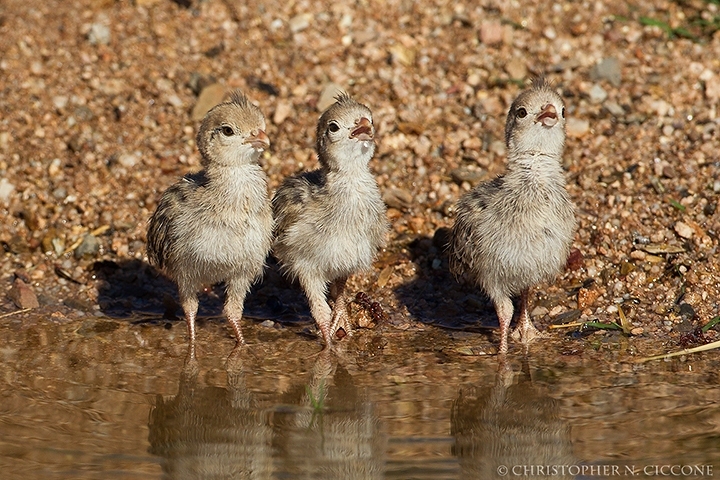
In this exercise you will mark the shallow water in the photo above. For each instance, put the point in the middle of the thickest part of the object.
(102, 398)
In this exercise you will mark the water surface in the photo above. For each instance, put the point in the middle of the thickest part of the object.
(101, 398)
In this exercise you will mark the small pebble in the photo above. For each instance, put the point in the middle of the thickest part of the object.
(597, 94)
(473, 177)
(99, 34)
(22, 295)
(516, 68)
(577, 127)
(491, 32)
(6, 189)
(399, 198)
(539, 311)
(282, 112)
(614, 108)
(89, 246)
(298, 23)
(638, 255)
(608, 69)
(684, 230)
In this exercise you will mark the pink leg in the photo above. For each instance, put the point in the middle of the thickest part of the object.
(189, 303)
(525, 331)
(316, 292)
(340, 316)
(504, 309)
(236, 291)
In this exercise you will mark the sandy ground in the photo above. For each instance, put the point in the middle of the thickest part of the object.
(100, 102)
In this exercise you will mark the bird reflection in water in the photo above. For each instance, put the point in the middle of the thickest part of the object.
(513, 424)
(211, 432)
(320, 429)
(334, 433)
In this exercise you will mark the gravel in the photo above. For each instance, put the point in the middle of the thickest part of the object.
(101, 101)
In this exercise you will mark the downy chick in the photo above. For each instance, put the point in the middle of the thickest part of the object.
(216, 225)
(515, 231)
(331, 221)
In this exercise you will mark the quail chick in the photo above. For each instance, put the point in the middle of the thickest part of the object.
(515, 231)
(216, 225)
(331, 221)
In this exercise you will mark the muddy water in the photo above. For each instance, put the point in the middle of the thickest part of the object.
(93, 397)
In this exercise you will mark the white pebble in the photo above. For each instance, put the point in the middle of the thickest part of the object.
(684, 230)
(6, 189)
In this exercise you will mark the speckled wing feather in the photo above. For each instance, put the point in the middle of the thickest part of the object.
(162, 236)
(294, 196)
(470, 206)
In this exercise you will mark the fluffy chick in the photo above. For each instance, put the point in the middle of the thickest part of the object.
(515, 231)
(216, 225)
(331, 221)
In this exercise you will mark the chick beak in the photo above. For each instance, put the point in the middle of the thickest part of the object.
(363, 131)
(548, 116)
(259, 140)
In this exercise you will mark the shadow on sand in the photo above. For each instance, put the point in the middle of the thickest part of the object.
(435, 297)
(137, 291)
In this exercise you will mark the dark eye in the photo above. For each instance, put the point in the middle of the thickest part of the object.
(227, 131)
(563, 112)
(521, 113)
(333, 127)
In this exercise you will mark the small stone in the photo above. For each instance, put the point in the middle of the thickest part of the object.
(575, 260)
(268, 324)
(661, 107)
(210, 96)
(300, 22)
(637, 331)
(89, 246)
(384, 276)
(608, 69)
(597, 94)
(422, 146)
(626, 268)
(684, 230)
(638, 255)
(550, 33)
(60, 101)
(516, 68)
(473, 177)
(6, 189)
(491, 33)
(577, 127)
(129, 160)
(22, 295)
(327, 97)
(99, 34)
(282, 112)
(472, 143)
(712, 88)
(614, 108)
(587, 297)
(399, 198)
(174, 100)
(404, 55)
(539, 311)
